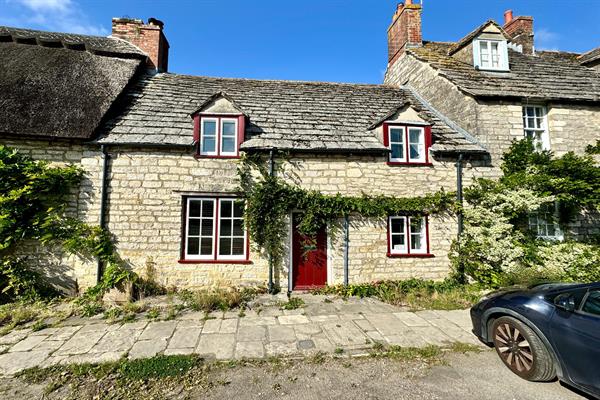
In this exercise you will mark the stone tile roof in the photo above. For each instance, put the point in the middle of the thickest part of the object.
(544, 76)
(469, 38)
(92, 44)
(590, 56)
(290, 115)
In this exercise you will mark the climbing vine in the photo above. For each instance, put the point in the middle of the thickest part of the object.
(270, 200)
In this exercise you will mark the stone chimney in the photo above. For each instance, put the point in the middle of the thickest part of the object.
(148, 37)
(520, 29)
(405, 30)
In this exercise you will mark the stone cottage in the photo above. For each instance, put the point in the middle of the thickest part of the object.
(161, 150)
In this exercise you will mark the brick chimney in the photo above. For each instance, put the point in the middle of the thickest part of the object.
(520, 29)
(405, 30)
(148, 37)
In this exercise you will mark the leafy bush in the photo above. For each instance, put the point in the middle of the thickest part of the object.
(208, 300)
(19, 282)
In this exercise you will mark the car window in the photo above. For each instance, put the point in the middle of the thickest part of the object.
(592, 303)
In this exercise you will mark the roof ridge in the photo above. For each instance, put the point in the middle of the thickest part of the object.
(374, 85)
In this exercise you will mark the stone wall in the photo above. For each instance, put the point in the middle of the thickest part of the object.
(71, 273)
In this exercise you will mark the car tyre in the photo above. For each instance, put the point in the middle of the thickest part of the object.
(522, 351)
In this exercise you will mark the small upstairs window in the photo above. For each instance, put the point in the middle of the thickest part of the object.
(408, 236)
(535, 126)
(219, 136)
(491, 55)
(407, 144)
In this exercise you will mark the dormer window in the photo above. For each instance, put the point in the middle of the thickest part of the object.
(219, 126)
(490, 55)
(408, 144)
(219, 136)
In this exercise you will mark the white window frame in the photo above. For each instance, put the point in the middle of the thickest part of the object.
(539, 224)
(542, 130)
(406, 249)
(235, 137)
(216, 121)
(187, 230)
(421, 144)
(502, 54)
(216, 232)
(230, 257)
(403, 137)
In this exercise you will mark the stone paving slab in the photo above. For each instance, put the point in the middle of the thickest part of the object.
(352, 325)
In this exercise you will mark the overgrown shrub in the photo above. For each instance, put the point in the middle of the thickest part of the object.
(19, 282)
(496, 247)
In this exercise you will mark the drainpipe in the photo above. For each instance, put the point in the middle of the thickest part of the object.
(459, 198)
(103, 201)
(271, 286)
(459, 191)
(346, 248)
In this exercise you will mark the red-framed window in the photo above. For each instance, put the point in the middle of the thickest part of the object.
(213, 230)
(408, 144)
(218, 136)
(408, 236)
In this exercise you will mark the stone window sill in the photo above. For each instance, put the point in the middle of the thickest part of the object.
(427, 255)
(215, 262)
(410, 164)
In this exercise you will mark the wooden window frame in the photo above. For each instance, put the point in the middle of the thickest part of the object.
(406, 160)
(543, 129)
(214, 258)
(503, 65)
(240, 124)
(407, 251)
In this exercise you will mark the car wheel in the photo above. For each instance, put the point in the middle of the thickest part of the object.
(521, 350)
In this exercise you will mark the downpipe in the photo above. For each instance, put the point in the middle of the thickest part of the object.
(103, 203)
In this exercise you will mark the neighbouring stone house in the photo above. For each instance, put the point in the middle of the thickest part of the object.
(161, 150)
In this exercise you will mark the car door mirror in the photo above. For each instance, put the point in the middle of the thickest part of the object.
(565, 301)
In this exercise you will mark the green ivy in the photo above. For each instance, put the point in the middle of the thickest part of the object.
(34, 196)
(270, 200)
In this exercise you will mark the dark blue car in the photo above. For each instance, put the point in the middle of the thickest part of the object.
(545, 331)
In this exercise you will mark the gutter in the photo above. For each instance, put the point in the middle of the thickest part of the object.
(103, 202)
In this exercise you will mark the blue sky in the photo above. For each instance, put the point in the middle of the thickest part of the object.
(323, 40)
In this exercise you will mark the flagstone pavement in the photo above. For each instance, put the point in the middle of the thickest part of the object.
(325, 325)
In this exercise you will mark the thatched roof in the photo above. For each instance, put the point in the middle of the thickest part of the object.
(49, 90)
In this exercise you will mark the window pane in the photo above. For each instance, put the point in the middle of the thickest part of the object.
(238, 209)
(225, 228)
(398, 242)
(194, 227)
(194, 208)
(208, 144)
(396, 135)
(238, 247)
(415, 135)
(226, 208)
(228, 128)
(225, 246)
(228, 144)
(417, 233)
(207, 227)
(238, 229)
(193, 246)
(209, 128)
(415, 151)
(206, 246)
(207, 208)
(397, 151)
(397, 225)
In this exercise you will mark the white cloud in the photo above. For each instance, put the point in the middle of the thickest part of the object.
(47, 5)
(51, 15)
(546, 39)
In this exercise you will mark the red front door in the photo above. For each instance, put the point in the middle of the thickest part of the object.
(309, 258)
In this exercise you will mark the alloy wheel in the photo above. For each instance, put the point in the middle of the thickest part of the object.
(514, 349)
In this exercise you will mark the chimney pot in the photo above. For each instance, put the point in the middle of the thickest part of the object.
(508, 16)
(408, 2)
